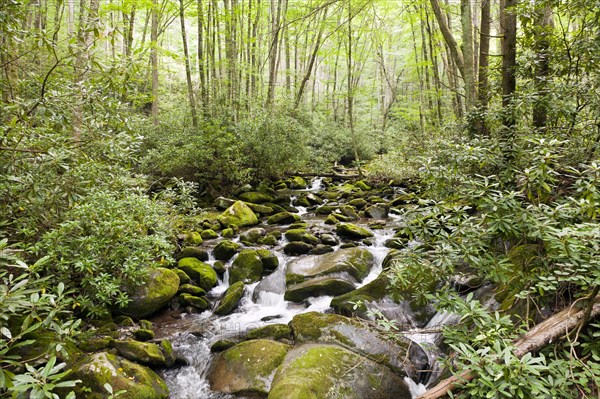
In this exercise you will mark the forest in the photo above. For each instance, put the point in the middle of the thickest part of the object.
(206, 199)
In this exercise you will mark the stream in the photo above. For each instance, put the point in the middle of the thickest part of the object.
(193, 334)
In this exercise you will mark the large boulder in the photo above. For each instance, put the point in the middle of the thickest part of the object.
(247, 267)
(202, 273)
(247, 368)
(283, 218)
(350, 230)
(137, 382)
(238, 214)
(231, 298)
(402, 355)
(145, 353)
(253, 235)
(331, 372)
(256, 197)
(225, 250)
(155, 292)
(297, 182)
(192, 252)
(356, 262)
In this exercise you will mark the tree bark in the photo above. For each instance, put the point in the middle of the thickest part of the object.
(188, 70)
(542, 71)
(455, 51)
(539, 336)
(468, 53)
(508, 24)
(154, 60)
(483, 81)
(276, 6)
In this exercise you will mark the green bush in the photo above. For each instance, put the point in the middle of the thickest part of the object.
(108, 240)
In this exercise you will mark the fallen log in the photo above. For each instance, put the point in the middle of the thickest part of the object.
(338, 176)
(553, 328)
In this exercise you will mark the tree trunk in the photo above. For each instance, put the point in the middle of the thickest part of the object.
(482, 83)
(467, 51)
(508, 24)
(188, 70)
(350, 94)
(154, 60)
(543, 31)
(274, 48)
(444, 25)
(201, 61)
(535, 339)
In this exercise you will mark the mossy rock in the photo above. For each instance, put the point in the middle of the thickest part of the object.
(141, 352)
(297, 182)
(349, 212)
(329, 239)
(222, 203)
(325, 210)
(124, 321)
(225, 250)
(238, 214)
(167, 349)
(191, 289)
(361, 184)
(193, 238)
(247, 368)
(314, 199)
(253, 235)
(222, 344)
(195, 301)
(318, 286)
(271, 331)
(227, 233)
(374, 291)
(346, 189)
(353, 231)
(154, 293)
(295, 248)
(391, 258)
(404, 199)
(331, 219)
(269, 240)
(95, 344)
(358, 203)
(332, 372)
(295, 234)
(302, 201)
(138, 382)
(183, 277)
(143, 335)
(283, 218)
(192, 252)
(209, 234)
(255, 197)
(298, 225)
(247, 267)
(321, 250)
(378, 211)
(202, 273)
(219, 267)
(280, 185)
(270, 261)
(231, 298)
(356, 262)
(404, 357)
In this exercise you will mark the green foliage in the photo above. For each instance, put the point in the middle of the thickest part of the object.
(28, 309)
(107, 241)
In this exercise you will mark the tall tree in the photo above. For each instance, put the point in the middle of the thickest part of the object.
(154, 60)
(188, 69)
(543, 32)
(508, 25)
(276, 7)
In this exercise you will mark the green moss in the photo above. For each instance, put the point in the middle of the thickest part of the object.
(167, 350)
(227, 233)
(225, 250)
(269, 259)
(200, 272)
(191, 289)
(297, 182)
(183, 277)
(141, 352)
(325, 209)
(349, 211)
(255, 197)
(137, 381)
(375, 290)
(330, 219)
(231, 298)
(357, 262)
(261, 209)
(283, 218)
(219, 267)
(192, 252)
(238, 214)
(155, 292)
(195, 301)
(362, 185)
(209, 234)
(94, 344)
(222, 344)
(295, 234)
(269, 239)
(247, 267)
(297, 248)
(193, 238)
(247, 367)
(317, 287)
(143, 334)
(358, 203)
(271, 331)
(350, 230)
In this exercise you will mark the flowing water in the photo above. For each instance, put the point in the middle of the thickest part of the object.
(193, 334)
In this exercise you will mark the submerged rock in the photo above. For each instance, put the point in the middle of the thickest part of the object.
(137, 382)
(331, 372)
(155, 292)
(247, 368)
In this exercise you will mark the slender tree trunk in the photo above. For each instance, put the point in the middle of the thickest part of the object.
(154, 60)
(483, 85)
(542, 71)
(508, 23)
(201, 75)
(276, 7)
(254, 70)
(468, 53)
(436, 70)
(419, 77)
(188, 70)
(350, 93)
